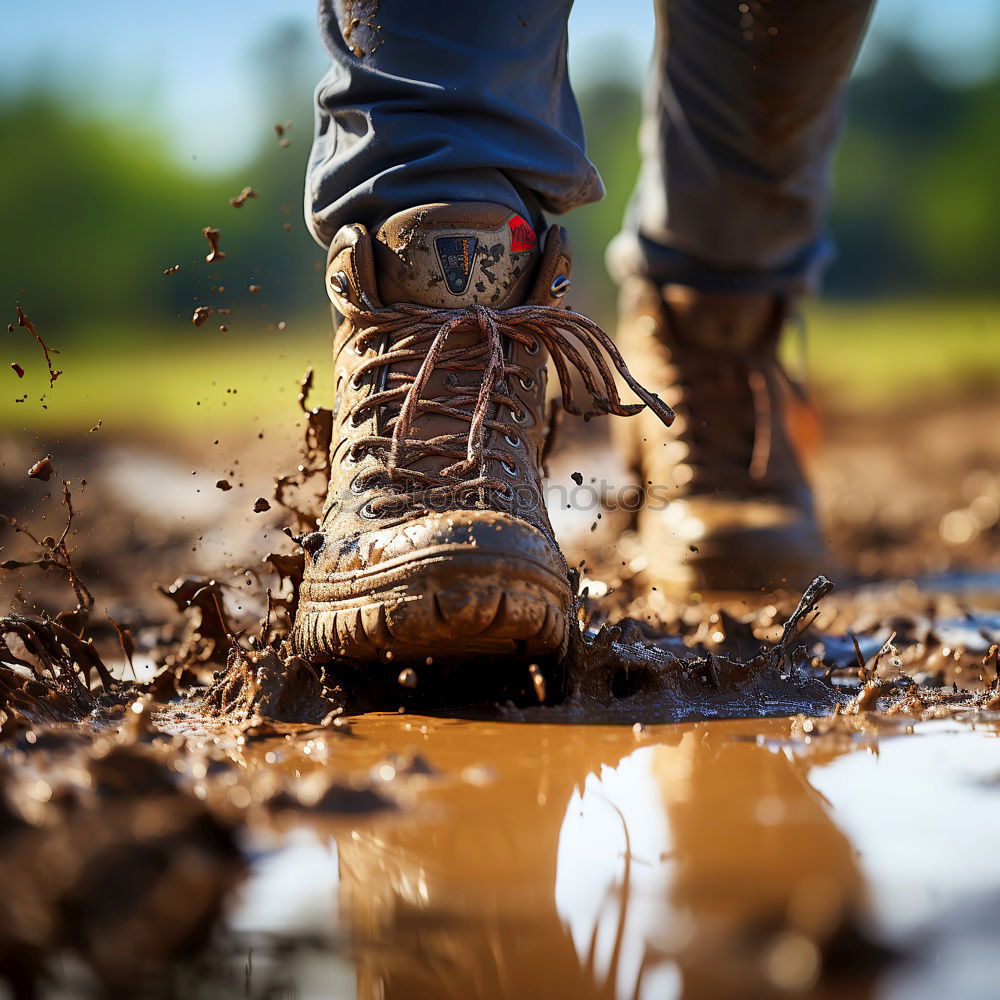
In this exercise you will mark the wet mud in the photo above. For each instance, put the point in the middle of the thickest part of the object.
(691, 801)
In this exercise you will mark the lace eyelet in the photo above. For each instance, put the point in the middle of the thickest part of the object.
(366, 510)
(355, 487)
(533, 347)
(517, 419)
(340, 283)
(507, 493)
(514, 442)
(528, 383)
(560, 286)
(353, 381)
(511, 470)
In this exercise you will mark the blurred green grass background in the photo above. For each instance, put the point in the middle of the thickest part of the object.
(858, 356)
(93, 209)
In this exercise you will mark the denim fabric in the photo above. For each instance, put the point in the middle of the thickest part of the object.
(455, 100)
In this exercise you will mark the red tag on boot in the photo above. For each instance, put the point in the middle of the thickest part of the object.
(522, 236)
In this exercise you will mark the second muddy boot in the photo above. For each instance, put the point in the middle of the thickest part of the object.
(434, 540)
(739, 512)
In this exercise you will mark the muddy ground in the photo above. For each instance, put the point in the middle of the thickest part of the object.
(163, 755)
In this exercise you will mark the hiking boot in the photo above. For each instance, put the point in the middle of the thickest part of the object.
(740, 512)
(434, 539)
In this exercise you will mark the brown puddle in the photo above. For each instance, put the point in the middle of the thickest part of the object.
(757, 857)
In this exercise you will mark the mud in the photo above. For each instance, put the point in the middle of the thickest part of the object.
(767, 796)
(357, 25)
(214, 253)
(47, 352)
(42, 469)
(241, 199)
(281, 130)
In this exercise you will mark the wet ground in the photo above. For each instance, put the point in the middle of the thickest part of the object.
(705, 798)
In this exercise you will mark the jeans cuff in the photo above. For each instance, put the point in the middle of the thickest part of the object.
(632, 254)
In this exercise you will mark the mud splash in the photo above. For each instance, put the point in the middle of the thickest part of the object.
(241, 823)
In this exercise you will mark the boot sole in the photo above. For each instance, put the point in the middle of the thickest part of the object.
(448, 606)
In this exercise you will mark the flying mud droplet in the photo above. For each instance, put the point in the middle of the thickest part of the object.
(281, 326)
(538, 679)
(17, 369)
(224, 485)
(42, 469)
(214, 253)
(281, 130)
(407, 678)
(172, 270)
(23, 321)
(201, 315)
(260, 505)
(253, 289)
(241, 199)
(10, 327)
(577, 478)
(287, 227)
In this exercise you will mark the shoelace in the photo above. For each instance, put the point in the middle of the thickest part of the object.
(409, 332)
(711, 384)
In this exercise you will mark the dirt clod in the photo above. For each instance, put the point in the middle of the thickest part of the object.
(214, 253)
(42, 469)
(201, 315)
(281, 130)
(241, 199)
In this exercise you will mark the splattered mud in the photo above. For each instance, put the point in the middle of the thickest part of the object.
(753, 796)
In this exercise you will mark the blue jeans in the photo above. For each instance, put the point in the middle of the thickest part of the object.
(469, 100)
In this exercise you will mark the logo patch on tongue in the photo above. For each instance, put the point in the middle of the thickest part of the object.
(522, 236)
(457, 254)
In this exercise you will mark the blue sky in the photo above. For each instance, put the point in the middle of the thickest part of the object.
(187, 67)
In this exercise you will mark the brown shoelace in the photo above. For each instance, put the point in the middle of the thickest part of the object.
(409, 333)
(734, 406)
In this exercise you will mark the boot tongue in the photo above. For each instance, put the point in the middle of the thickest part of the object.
(455, 255)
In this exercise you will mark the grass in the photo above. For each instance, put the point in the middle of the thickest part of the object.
(878, 355)
(217, 381)
(864, 356)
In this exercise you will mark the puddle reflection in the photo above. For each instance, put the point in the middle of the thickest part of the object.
(689, 861)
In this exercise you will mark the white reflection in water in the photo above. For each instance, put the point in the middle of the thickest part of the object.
(292, 891)
(613, 876)
(923, 817)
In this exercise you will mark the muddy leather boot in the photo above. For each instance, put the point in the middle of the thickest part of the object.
(739, 514)
(434, 539)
